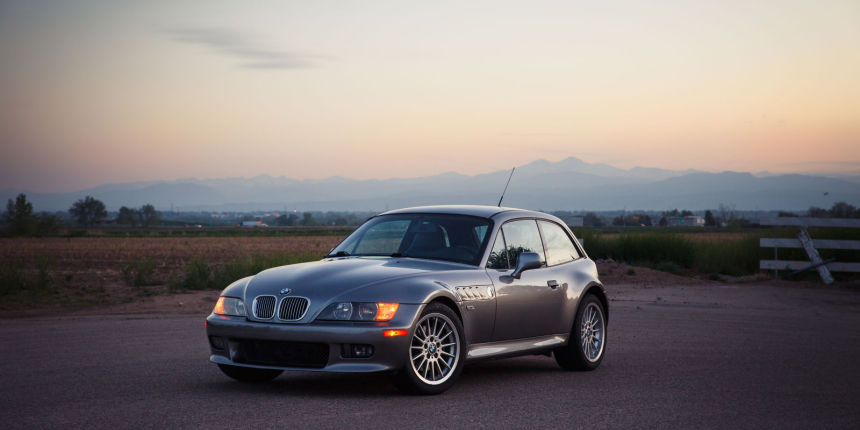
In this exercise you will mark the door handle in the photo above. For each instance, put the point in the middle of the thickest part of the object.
(552, 284)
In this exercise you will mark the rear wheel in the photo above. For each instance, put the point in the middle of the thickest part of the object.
(584, 349)
(249, 374)
(436, 353)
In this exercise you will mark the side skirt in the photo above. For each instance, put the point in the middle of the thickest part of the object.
(510, 348)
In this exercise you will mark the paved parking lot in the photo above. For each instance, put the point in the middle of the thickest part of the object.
(747, 356)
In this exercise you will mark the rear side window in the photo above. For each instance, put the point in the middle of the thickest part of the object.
(522, 236)
(559, 246)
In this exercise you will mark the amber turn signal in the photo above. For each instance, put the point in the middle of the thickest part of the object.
(229, 306)
(394, 333)
(219, 306)
(386, 311)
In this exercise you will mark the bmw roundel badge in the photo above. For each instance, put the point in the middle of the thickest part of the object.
(286, 291)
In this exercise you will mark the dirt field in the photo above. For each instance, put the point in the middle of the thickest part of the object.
(88, 271)
(171, 251)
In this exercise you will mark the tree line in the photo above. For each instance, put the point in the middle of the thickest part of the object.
(723, 215)
(641, 219)
(838, 210)
(87, 211)
(21, 220)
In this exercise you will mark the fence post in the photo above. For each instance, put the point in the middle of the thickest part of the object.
(814, 257)
(775, 252)
(809, 245)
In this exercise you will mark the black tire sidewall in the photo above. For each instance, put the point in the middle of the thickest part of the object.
(571, 356)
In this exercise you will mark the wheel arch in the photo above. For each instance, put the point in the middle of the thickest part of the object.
(449, 302)
(599, 292)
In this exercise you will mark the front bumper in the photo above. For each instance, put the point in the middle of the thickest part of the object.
(389, 353)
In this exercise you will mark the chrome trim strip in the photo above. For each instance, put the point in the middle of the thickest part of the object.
(516, 346)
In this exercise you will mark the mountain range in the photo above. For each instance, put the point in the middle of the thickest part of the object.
(569, 184)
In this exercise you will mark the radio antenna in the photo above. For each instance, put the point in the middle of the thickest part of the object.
(506, 187)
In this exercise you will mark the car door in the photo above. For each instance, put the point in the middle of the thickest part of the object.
(533, 304)
(565, 264)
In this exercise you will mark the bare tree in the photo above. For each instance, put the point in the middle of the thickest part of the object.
(727, 212)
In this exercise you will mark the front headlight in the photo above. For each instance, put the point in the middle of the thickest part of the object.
(229, 306)
(352, 311)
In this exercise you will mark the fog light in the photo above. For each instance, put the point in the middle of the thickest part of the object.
(362, 351)
(356, 351)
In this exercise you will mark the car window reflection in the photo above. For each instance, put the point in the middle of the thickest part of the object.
(498, 256)
(522, 236)
(440, 237)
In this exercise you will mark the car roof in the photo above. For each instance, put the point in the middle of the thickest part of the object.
(473, 210)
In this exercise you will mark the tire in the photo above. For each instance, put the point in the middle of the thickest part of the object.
(249, 374)
(587, 343)
(436, 353)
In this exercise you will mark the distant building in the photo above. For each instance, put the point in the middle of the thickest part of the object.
(253, 224)
(685, 221)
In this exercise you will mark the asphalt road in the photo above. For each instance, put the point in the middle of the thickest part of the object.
(691, 357)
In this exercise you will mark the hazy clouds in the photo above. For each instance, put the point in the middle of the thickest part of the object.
(110, 92)
(242, 47)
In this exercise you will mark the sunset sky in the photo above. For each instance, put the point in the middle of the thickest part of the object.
(96, 92)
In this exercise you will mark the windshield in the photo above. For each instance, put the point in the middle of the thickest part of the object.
(457, 238)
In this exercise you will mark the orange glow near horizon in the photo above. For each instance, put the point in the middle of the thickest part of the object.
(97, 93)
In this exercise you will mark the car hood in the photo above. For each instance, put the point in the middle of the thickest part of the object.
(323, 281)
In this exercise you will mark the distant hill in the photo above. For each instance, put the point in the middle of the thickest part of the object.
(569, 184)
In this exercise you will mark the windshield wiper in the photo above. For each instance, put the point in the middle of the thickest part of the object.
(338, 254)
(397, 255)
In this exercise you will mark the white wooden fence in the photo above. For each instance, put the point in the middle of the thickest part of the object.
(810, 245)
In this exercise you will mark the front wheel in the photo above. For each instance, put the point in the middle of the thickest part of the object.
(436, 353)
(584, 349)
(249, 374)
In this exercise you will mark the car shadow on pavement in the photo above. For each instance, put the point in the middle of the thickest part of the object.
(307, 384)
(346, 385)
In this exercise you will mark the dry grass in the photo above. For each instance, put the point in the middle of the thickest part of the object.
(95, 270)
(697, 237)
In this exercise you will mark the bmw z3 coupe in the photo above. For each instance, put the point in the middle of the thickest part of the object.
(418, 293)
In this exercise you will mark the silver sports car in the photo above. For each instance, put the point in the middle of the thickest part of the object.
(418, 293)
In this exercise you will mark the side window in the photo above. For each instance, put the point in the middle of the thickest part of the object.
(522, 236)
(498, 257)
(559, 247)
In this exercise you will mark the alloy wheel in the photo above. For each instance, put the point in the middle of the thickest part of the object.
(591, 332)
(435, 349)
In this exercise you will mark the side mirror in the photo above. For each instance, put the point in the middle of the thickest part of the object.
(526, 261)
